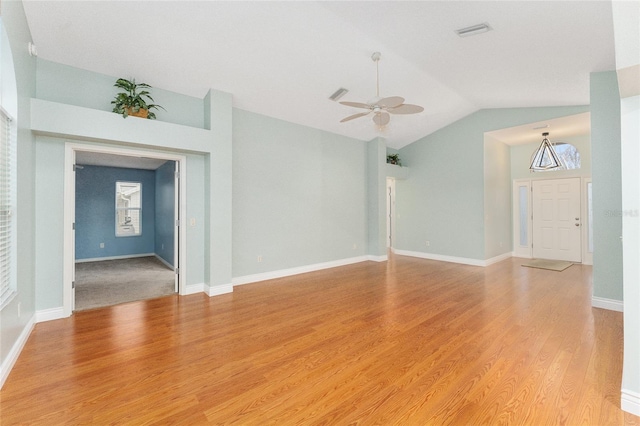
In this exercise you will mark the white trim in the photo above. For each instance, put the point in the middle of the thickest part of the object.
(217, 290)
(498, 258)
(373, 258)
(630, 401)
(167, 264)
(246, 279)
(125, 256)
(14, 353)
(441, 257)
(513, 254)
(195, 288)
(69, 210)
(609, 304)
(210, 291)
(50, 314)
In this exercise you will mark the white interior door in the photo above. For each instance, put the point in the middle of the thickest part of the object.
(556, 219)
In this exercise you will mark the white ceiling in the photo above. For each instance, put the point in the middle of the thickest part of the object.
(558, 129)
(284, 59)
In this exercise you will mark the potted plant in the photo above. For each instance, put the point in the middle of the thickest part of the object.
(132, 100)
(394, 159)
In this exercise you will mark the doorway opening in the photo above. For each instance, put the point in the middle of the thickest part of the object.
(122, 233)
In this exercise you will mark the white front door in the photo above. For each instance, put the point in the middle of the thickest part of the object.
(556, 219)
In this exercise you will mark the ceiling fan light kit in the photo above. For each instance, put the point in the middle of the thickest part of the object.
(381, 107)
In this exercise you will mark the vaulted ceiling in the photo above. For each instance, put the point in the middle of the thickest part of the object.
(284, 59)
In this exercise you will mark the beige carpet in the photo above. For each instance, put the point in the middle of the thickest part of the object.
(553, 265)
(111, 282)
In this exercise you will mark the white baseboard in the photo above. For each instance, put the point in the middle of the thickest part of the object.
(630, 402)
(126, 256)
(50, 314)
(246, 279)
(441, 257)
(498, 258)
(377, 258)
(12, 356)
(610, 304)
(167, 264)
(195, 288)
(214, 290)
(217, 290)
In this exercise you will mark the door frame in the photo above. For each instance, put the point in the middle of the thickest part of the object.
(390, 195)
(526, 251)
(68, 273)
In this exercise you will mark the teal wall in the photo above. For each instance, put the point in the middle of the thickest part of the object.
(73, 86)
(606, 175)
(299, 195)
(14, 320)
(377, 202)
(497, 198)
(443, 199)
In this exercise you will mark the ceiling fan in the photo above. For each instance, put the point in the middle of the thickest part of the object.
(381, 107)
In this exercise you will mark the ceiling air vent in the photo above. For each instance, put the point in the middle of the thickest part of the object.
(473, 30)
(338, 94)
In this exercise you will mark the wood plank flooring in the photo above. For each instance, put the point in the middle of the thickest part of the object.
(409, 341)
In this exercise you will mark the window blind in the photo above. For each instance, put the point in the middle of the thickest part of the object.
(6, 207)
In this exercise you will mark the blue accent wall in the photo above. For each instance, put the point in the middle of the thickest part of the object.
(95, 212)
(165, 214)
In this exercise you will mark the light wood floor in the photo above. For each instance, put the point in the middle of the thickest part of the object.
(409, 341)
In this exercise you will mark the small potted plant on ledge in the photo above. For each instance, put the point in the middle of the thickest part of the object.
(394, 159)
(132, 100)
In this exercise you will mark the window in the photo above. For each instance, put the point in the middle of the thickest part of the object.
(569, 155)
(523, 214)
(7, 200)
(128, 209)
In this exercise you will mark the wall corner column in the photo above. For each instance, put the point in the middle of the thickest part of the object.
(376, 185)
(218, 238)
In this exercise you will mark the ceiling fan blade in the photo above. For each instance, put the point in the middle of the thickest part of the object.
(406, 109)
(357, 104)
(390, 102)
(381, 119)
(351, 117)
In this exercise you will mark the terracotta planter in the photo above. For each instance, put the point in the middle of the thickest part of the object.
(142, 113)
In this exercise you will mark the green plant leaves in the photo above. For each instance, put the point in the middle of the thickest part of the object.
(133, 98)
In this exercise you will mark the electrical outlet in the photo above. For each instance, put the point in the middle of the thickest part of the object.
(101, 245)
(428, 243)
(192, 222)
(260, 258)
(162, 247)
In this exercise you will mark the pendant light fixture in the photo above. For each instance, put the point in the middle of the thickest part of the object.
(545, 157)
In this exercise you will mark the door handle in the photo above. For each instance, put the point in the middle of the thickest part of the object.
(577, 224)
